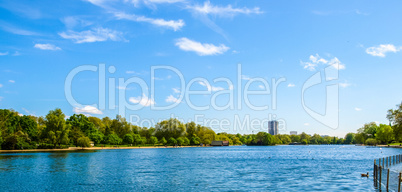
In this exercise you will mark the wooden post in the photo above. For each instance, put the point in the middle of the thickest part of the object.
(399, 182)
(387, 178)
(386, 162)
(380, 177)
(374, 172)
(383, 159)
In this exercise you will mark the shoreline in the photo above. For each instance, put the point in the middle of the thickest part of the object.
(89, 149)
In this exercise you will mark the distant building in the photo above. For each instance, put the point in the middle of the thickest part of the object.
(293, 133)
(220, 143)
(273, 127)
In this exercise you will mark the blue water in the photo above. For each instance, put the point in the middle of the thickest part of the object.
(265, 168)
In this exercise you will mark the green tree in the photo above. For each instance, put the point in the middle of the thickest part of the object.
(137, 139)
(186, 141)
(180, 141)
(113, 139)
(163, 141)
(371, 141)
(395, 120)
(84, 142)
(56, 128)
(349, 138)
(295, 138)
(384, 133)
(128, 139)
(172, 141)
(153, 140)
(170, 128)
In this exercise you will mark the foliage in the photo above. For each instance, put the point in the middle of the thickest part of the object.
(84, 142)
(371, 141)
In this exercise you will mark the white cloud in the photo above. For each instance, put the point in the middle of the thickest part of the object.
(1, 85)
(245, 77)
(261, 86)
(176, 90)
(72, 21)
(11, 81)
(344, 85)
(291, 85)
(1, 98)
(3, 53)
(144, 100)
(124, 88)
(358, 109)
(94, 35)
(15, 30)
(201, 49)
(212, 88)
(87, 110)
(381, 50)
(306, 124)
(315, 60)
(47, 47)
(336, 64)
(173, 24)
(227, 11)
(164, 1)
(172, 99)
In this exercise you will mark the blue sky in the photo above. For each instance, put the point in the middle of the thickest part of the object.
(43, 41)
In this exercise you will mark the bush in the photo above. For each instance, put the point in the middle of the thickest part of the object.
(371, 141)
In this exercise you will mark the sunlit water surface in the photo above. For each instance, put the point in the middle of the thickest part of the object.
(265, 168)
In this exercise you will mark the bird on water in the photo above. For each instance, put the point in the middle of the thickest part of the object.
(365, 175)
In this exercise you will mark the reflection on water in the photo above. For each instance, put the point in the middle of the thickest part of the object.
(278, 168)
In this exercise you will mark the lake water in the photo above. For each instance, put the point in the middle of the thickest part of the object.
(251, 168)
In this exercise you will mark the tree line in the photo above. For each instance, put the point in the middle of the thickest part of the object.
(56, 131)
(373, 133)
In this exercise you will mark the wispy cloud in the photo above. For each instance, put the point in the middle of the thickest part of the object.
(336, 64)
(291, 85)
(3, 53)
(73, 21)
(15, 30)
(358, 109)
(1, 85)
(93, 35)
(201, 49)
(11, 81)
(172, 24)
(176, 90)
(87, 110)
(306, 124)
(211, 88)
(152, 3)
(344, 84)
(315, 60)
(47, 47)
(144, 100)
(381, 50)
(261, 86)
(228, 11)
(245, 77)
(172, 99)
